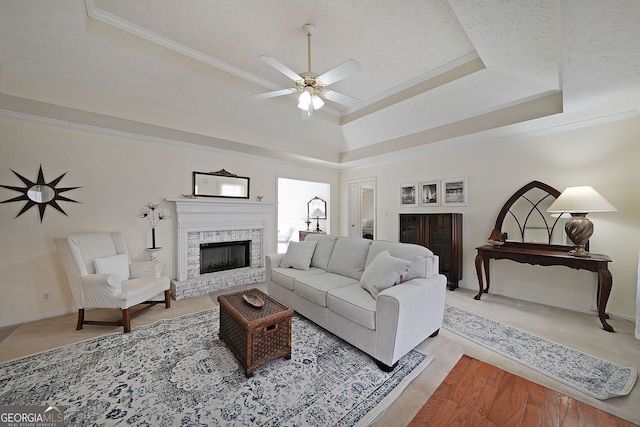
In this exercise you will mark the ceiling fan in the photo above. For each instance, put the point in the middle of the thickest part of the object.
(312, 87)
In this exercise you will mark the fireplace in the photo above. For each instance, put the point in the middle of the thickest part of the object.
(224, 256)
(210, 224)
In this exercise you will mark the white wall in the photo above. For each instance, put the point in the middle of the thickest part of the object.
(605, 156)
(118, 176)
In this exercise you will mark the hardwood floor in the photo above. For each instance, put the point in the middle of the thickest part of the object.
(478, 394)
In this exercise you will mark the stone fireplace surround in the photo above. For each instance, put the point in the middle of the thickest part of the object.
(208, 221)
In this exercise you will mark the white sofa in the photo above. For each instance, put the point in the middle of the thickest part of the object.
(322, 279)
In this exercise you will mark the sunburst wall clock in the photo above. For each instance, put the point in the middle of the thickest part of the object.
(40, 193)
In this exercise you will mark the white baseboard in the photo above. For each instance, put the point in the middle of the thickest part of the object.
(37, 316)
(552, 303)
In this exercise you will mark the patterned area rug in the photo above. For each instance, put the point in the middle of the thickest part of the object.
(595, 377)
(178, 372)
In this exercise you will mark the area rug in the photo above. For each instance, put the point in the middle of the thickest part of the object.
(588, 374)
(179, 373)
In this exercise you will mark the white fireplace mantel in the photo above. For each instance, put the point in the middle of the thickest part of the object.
(198, 215)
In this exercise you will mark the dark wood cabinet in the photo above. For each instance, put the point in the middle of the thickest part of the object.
(442, 233)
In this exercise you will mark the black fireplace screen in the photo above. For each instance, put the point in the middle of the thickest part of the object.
(224, 256)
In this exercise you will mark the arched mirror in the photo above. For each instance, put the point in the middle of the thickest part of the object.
(317, 208)
(524, 218)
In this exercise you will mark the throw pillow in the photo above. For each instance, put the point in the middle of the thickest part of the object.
(115, 264)
(418, 268)
(383, 272)
(298, 255)
(324, 248)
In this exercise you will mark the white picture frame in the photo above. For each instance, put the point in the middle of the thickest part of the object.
(430, 193)
(409, 195)
(454, 192)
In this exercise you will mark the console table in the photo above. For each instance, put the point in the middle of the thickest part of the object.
(303, 234)
(529, 254)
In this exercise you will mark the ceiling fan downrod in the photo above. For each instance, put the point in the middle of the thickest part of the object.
(309, 30)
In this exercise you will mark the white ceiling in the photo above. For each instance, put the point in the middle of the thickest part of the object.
(435, 73)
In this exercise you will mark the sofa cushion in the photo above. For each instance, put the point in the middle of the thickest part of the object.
(298, 255)
(315, 287)
(324, 248)
(286, 276)
(114, 264)
(383, 272)
(418, 255)
(349, 256)
(354, 303)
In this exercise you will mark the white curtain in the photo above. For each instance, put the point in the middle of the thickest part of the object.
(638, 305)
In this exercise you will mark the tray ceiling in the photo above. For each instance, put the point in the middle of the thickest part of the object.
(434, 73)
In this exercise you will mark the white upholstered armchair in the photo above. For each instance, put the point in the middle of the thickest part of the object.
(101, 275)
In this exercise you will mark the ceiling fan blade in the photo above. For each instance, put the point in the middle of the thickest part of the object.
(273, 94)
(342, 71)
(343, 99)
(281, 67)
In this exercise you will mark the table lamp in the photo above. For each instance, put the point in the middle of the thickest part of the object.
(317, 214)
(579, 201)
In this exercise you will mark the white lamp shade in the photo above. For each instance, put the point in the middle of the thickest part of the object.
(304, 100)
(317, 102)
(307, 98)
(583, 199)
(317, 213)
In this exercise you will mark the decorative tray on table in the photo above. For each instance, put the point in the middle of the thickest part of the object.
(253, 300)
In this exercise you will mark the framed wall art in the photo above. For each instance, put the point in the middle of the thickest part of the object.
(454, 192)
(430, 193)
(409, 195)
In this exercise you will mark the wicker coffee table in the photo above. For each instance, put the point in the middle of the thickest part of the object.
(255, 335)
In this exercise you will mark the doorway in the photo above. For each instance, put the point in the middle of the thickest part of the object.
(292, 213)
(362, 208)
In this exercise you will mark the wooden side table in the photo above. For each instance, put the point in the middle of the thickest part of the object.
(256, 336)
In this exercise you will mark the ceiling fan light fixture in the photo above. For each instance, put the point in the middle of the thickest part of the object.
(317, 102)
(304, 100)
(311, 86)
(309, 98)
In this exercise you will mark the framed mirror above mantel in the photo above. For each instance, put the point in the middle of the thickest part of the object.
(220, 184)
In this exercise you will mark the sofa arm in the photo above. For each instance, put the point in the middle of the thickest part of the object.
(145, 269)
(100, 290)
(407, 314)
(433, 265)
(272, 261)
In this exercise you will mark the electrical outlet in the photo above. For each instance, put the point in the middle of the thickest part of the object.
(46, 296)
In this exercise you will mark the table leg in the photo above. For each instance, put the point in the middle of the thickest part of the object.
(486, 273)
(605, 283)
(479, 274)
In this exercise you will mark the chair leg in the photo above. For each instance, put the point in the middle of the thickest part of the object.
(167, 299)
(126, 320)
(80, 319)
